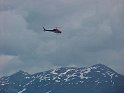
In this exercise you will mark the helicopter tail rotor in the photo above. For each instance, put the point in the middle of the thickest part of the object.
(44, 29)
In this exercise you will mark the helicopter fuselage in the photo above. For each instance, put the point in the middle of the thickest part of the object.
(53, 30)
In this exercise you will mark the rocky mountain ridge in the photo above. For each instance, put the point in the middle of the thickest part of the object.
(95, 79)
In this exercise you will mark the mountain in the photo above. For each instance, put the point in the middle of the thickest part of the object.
(95, 79)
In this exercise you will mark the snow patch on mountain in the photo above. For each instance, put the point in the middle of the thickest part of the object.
(22, 91)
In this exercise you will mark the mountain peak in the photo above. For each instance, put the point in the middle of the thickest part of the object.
(103, 68)
(99, 65)
(20, 71)
(20, 74)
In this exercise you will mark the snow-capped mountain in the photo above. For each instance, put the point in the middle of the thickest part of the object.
(95, 79)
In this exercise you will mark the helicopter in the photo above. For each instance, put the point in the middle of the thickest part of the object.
(55, 30)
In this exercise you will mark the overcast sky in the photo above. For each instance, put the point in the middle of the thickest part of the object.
(92, 33)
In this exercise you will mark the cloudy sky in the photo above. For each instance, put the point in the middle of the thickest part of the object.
(92, 33)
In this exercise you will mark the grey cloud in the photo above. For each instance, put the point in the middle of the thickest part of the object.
(92, 33)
